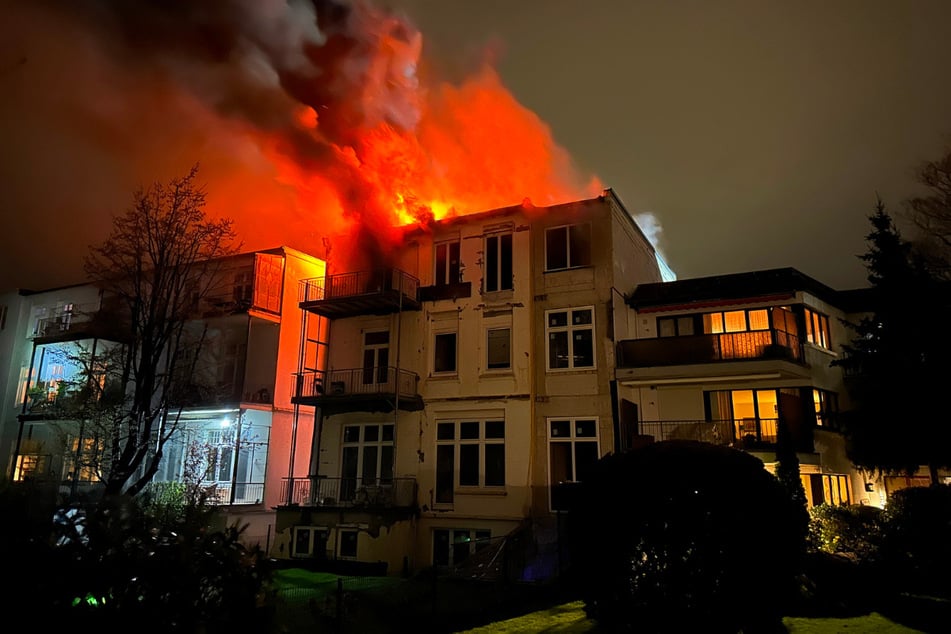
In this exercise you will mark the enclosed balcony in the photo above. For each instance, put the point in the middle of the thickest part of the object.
(376, 292)
(73, 322)
(750, 434)
(371, 389)
(709, 348)
(350, 493)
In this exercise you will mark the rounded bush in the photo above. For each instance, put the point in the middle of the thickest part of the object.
(685, 536)
(916, 539)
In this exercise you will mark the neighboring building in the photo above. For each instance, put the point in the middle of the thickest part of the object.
(454, 387)
(732, 360)
(234, 415)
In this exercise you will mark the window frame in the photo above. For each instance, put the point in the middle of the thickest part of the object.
(450, 273)
(570, 329)
(437, 334)
(504, 254)
(483, 538)
(483, 441)
(817, 328)
(569, 260)
(572, 440)
(488, 349)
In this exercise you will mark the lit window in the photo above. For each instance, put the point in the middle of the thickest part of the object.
(570, 338)
(817, 329)
(567, 247)
(498, 263)
(825, 404)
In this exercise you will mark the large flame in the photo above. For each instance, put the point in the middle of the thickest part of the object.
(311, 119)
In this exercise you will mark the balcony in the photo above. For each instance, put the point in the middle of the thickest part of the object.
(742, 433)
(81, 321)
(350, 493)
(376, 389)
(734, 346)
(376, 292)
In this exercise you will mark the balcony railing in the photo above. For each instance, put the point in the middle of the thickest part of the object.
(244, 493)
(377, 493)
(378, 291)
(733, 346)
(740, 432)
(356, 383)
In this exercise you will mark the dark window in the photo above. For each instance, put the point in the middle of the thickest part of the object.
(447, 263)
(498, 262)
(445, 352)
(348, 543)
(571, 345)
(498, 348)
(567, 247)
(478, 447)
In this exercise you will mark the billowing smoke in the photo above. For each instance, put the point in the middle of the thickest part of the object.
(650, 225)
(310, 119)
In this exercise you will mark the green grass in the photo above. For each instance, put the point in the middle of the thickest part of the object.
(372, 603)
(570, 619)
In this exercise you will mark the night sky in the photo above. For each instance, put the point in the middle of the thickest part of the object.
(757, 133)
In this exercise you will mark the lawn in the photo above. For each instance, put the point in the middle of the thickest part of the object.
(569, 618)
(376, 604)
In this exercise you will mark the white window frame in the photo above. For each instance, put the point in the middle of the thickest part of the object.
(570, 329)
(455, 369)
(475, 544)
(495, 324)
(443, 278)
(567, 229)
(571, 439)
(500, 282)
(482, 442)
(338, 546)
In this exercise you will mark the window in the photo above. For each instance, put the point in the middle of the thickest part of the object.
(755, 414)
(676, 326)
(736, 321)
(498, 262)
(310, 542)
(829, 488)
(376, 356)
(220, 452)
(572, 448)
(448, 270)
(469, 453)
(826, 404)
(817, 329)
(347, 543)
(243, 285)
(570, 338)
(444, 353)
(567, 247)
(498, 348)
(30, 466)
(367, 457)
(452, 546)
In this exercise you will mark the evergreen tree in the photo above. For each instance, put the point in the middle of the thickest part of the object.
(895, 363)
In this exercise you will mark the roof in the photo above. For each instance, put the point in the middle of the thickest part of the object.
(751, 286)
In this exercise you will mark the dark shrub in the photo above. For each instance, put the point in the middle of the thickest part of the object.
(684, 536)
(916, 540)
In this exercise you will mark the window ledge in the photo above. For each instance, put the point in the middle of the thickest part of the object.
(497, 491)
(448, 376)
(586, 369)
(813, 346)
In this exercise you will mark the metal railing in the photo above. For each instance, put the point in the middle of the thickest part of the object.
(728, 432)
(357, 283)
(244, 493)
(356, 382)
(350, 492)
(757, 344)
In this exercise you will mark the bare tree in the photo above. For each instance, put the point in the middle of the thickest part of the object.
(159, 261)
(931, 213)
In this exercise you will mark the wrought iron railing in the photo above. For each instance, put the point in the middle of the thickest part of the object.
(244, 493)
(350, 492)
(357, 283)
(356, 382)
(758, 344)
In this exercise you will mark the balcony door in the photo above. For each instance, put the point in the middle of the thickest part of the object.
(376, 356)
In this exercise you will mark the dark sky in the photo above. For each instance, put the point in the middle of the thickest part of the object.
(758, 133)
